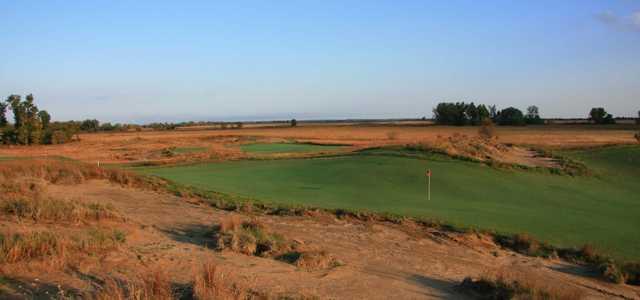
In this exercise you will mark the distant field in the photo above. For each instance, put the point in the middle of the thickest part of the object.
(128, 147)
(270, 148)
(602, 209)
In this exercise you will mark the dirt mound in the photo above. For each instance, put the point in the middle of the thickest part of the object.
(482, 149)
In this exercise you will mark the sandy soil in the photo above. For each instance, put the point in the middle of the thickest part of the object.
(381, 261)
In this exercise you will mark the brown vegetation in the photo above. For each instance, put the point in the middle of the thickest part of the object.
(517, 284)
(150, 285)
(212, 283)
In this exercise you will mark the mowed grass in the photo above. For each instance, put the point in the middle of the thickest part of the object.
(182, 150)
(272, 148)
(603, 209)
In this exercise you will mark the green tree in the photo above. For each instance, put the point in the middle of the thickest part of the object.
(3, 114)
(493, 112)
(600, 116)
(90, 125)
(294, 123)
(510, 116)
(45, 119)
(533, 115)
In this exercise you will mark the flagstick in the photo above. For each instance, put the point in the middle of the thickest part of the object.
(429, 188)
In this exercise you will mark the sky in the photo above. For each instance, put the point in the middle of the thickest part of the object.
(145, 61)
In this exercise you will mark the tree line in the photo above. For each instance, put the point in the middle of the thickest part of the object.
(31, 125)
(462, 114)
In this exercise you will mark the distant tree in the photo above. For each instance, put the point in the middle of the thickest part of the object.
(239, 125)
(3, 114)
(493, 112)
(90, 125)
(294, 123)
(637, 120)
(45, 119)
(459, 113)
(600, 116)
(533, 115)
(510, 116)
(483, 113)
(449, 113)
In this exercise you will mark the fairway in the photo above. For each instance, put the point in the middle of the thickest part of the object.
(603, 209)
(266, 148)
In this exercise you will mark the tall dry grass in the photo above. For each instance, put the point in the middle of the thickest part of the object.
(510, 283)
(212, 283)
(41, 209)
(27, 246)
(152, 285)
(58, 171)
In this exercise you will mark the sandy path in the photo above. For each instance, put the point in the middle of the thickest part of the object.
(381, 261)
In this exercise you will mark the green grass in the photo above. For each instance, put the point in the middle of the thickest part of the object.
(262, 148)
(603, 209)
(182, 150)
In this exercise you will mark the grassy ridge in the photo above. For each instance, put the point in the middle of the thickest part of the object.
(562, 210)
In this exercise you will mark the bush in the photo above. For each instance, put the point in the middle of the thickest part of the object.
(611, 272)
(211, 283)
(600, 116)
(487, 130)
(250, 237)
(637, 136)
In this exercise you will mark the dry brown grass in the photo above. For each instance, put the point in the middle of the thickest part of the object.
(248, 237)
(45, 209)
(16, 247)
(212, 283)
(58, 171)
(510, 283)
(27, 246)
(315, 260)
(152, 285)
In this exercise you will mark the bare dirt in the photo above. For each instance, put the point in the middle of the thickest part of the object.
(378, 260)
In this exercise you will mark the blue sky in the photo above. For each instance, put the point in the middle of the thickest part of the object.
(146, 61)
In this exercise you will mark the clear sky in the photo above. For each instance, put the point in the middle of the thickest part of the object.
(221, 60)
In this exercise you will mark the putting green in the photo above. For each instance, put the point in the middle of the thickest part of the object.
(262, 148)
(603, 210)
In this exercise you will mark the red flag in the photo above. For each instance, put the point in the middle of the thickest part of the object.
(429, 173)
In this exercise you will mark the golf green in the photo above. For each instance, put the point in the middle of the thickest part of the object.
(603, 209)
(266, 148)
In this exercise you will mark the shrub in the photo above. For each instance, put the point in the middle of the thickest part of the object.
(487, 130)
(611, 272)
(250, 238)
(212, 283)
(637, 136)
